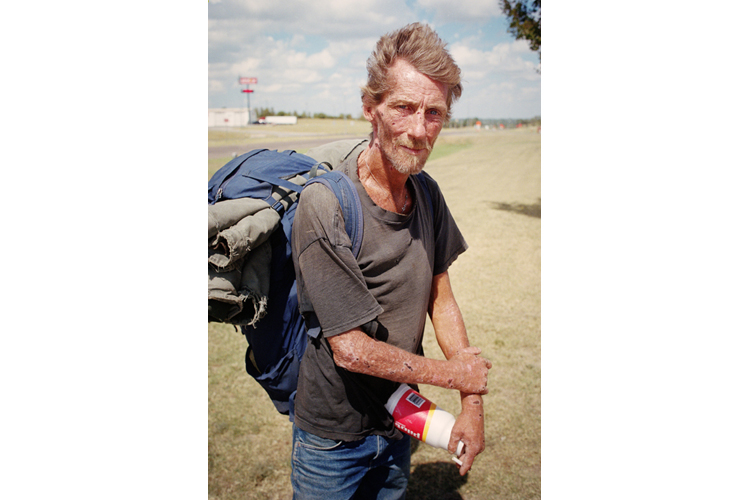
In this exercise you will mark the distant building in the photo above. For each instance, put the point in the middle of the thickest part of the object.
(279, 120)
(228, 117)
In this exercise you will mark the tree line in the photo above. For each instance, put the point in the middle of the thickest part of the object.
(454, 123)
(271, 112)
(495, 122)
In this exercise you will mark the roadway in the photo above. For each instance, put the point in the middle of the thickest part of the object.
(305, 143)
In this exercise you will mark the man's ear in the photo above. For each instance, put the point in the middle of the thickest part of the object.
(368, 110)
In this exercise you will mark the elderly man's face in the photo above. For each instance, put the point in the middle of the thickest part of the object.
(409, 119)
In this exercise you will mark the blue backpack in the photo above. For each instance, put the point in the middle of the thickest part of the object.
(277, 340)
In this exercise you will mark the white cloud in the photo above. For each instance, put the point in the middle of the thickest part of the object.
(476, 63)
(333, 19)
(498, 82)
(215, 86)
(452, 11)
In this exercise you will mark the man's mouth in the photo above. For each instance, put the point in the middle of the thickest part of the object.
(415, 149)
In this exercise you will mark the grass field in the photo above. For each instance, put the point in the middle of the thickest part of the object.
(491, 181)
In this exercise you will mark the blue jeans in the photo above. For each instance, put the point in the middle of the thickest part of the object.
(371, 468)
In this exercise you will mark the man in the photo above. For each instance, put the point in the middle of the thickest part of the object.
(372, 309)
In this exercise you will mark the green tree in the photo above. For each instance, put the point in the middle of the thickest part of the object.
(525, 21)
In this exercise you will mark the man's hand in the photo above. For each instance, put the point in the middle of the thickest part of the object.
(470, 371)
(469, 428)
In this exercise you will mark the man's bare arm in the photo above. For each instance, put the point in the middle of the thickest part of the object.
(357, 352)
(451, 335)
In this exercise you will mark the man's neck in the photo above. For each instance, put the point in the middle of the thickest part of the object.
(385, 185)
(374, 163)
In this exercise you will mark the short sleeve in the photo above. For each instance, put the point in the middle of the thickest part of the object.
(449, 242)
(329, 281)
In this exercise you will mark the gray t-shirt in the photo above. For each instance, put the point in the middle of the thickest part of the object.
(385, 291)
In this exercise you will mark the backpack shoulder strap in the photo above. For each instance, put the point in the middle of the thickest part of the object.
(345, 191)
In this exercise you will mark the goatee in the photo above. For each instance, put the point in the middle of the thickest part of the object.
(405, 163)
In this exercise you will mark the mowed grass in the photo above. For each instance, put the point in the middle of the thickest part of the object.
(491, 181)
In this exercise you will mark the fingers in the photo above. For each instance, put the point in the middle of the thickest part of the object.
(467, 460)
(478, 375)
(453, 442)
(466, 442)
(475, 351)
(470, 371)
(465, 467)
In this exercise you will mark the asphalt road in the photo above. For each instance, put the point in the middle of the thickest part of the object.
(295, 144)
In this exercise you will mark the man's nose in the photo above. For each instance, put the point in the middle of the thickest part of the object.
(418, 126)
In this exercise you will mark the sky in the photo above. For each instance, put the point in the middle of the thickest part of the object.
(311, 56)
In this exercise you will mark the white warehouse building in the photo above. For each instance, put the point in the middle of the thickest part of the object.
(228, 117)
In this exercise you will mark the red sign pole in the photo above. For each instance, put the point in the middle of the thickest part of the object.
(244, 80)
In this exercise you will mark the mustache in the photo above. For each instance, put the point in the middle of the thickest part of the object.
(413, 144)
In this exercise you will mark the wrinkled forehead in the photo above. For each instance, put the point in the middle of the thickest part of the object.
(406, 83)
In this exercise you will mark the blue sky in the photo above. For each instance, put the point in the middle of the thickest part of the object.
(310, 56)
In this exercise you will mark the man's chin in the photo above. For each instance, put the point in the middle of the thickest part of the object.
(410, 168)
(410, 164)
